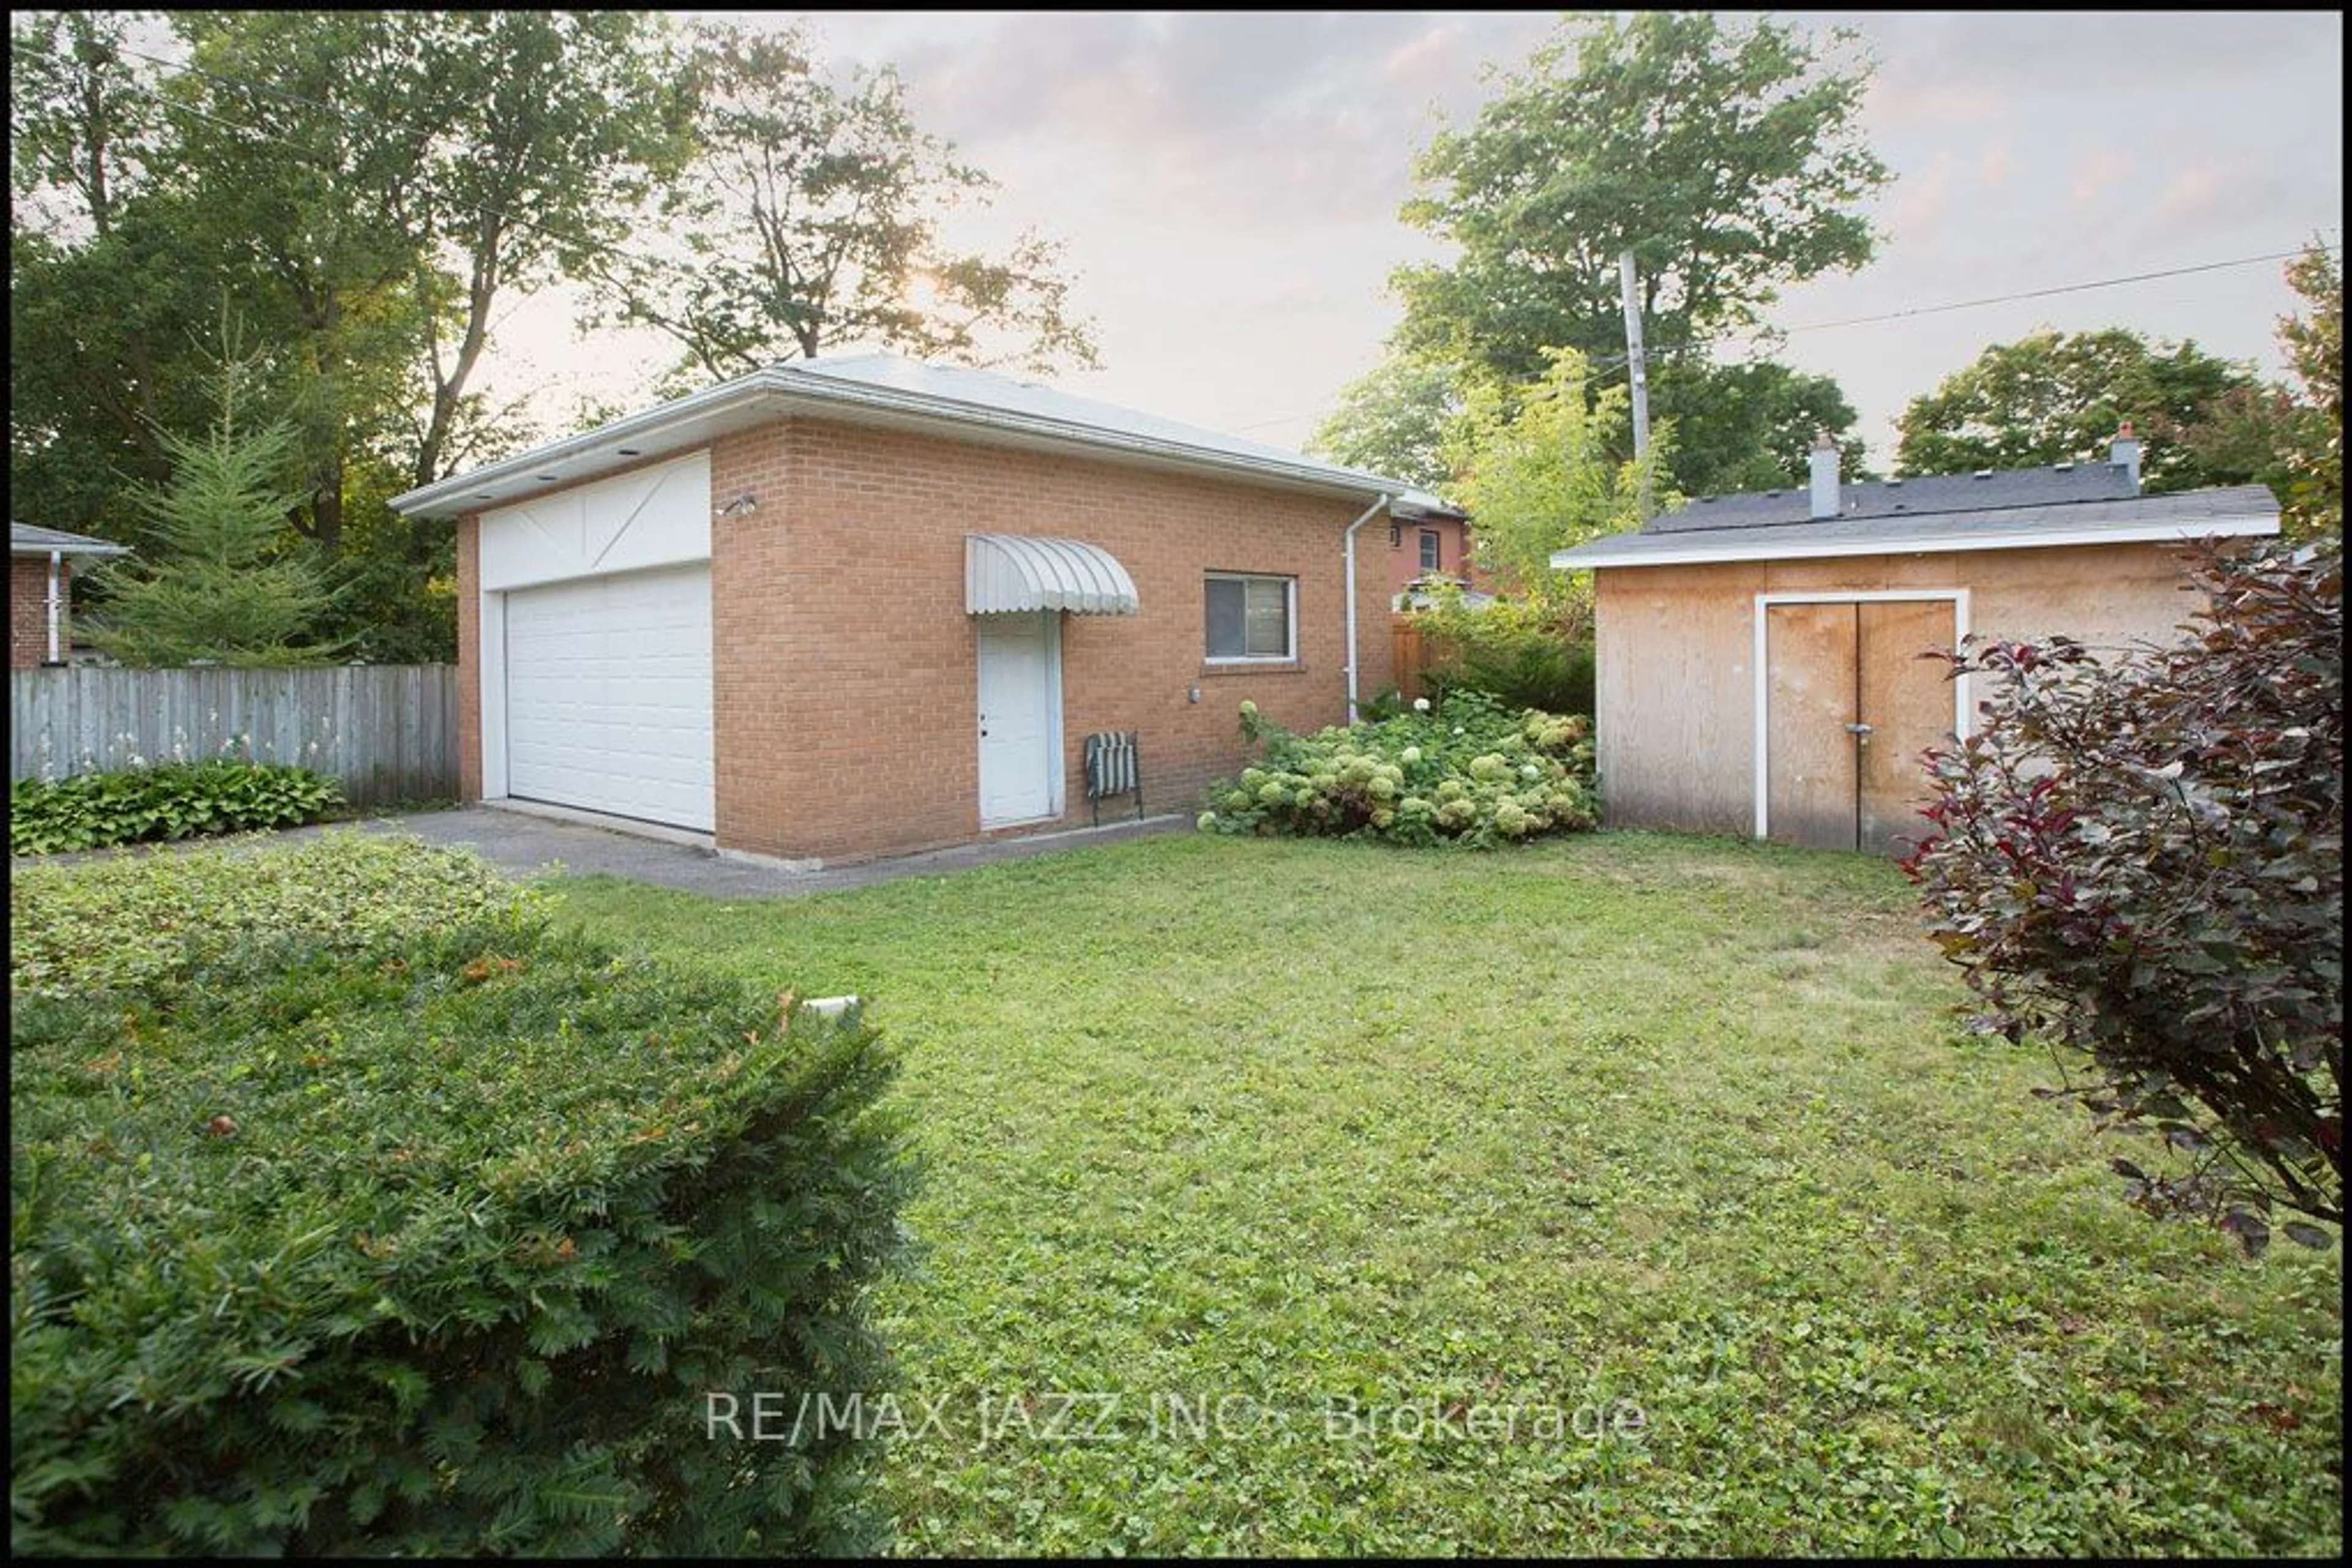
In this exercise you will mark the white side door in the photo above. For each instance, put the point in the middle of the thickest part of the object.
(1020, 717)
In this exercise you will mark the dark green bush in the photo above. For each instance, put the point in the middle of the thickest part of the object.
(173, 800)
(1522, 652)
(1466, 770)
(2141, 860)
(1529, 670)
(435, 1246)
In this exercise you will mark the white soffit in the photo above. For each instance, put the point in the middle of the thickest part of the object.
(1005, 574)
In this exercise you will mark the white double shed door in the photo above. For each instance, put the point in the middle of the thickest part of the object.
(596, 647)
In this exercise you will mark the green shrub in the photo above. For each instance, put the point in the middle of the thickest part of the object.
(1521, 669)
(2141, 859)
(138, 920)
(1466, 769)
(1523, 652)
(173, 800)
(1386, 703)
(435, 1242)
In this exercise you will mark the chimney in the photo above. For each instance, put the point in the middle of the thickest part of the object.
(2126, 453)
(1825, 477)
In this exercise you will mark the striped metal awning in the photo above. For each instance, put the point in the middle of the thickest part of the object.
(1005, 574)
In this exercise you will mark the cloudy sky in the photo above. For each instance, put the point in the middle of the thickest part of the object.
(1227, 185)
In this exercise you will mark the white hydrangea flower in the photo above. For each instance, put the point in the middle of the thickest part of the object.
(1420, 705)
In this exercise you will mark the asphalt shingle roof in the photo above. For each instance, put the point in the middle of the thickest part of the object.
(1934, 495)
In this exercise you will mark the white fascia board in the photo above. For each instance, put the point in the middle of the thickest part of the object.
(1583, 559)
(763, 394)
(43, 551)
(656, 433)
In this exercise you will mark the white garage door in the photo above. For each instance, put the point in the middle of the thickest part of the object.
(608, 695)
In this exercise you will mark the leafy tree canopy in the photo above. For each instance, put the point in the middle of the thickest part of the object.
(366, 190)
(1750, 426)
(1392, 420)
(2314, 347)
(1541, 471)
(1725, 156)
(811, 219)
(2058, 398)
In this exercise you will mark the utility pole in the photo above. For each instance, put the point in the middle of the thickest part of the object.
(1640, 368)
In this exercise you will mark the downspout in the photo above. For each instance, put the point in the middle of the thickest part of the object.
(1348, 543)
(55, 616)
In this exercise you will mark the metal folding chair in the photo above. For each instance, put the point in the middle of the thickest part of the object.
(1114, 767)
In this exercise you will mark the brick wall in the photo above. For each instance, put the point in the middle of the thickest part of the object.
(845, 678)
(28, 613)
(1404, 557)
(846, 682)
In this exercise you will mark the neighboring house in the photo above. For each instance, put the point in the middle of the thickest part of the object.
(1427, 538)
(1759, 655)
(868, 606)
(40, 577)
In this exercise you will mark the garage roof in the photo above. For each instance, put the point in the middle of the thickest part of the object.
(892, 391)
(26, 539)
(2020, 516)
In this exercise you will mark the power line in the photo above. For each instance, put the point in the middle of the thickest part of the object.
(2061, 288)
(1605, 368)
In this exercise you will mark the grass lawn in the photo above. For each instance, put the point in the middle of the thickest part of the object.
(1617, 1125)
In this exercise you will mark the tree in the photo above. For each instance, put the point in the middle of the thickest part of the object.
(2055, 397)
(811, 219)
(2140, 861)
(398, 175)
(1750, 426)
(1729, 162)
(104, 304)
(219, 587)
(1392, 420)
(2314, 488)
(1540, 471)
(367, 189)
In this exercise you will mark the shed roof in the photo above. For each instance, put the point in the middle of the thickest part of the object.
(27, 538)
(1933, 495)
(2024, 510)
(893, 391)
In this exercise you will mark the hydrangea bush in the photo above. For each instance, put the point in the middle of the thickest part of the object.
(1468, 770)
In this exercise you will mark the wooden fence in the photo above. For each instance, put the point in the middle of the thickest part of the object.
(1414, 651)
(388, 732)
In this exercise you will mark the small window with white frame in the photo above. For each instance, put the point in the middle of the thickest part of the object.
(1252, 618)
(1432, 550)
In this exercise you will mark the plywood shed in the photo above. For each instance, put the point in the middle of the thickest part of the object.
(1759, 655)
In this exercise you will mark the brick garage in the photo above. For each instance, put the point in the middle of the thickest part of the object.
(844, 664)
